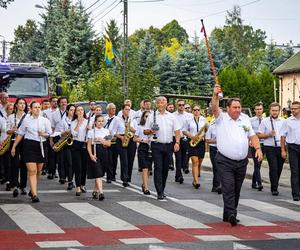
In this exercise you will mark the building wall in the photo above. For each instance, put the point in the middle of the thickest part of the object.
(289, 88)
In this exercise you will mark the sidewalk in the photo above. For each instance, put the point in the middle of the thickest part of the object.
(284, 178)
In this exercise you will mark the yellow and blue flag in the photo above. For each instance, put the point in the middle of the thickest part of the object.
(109, 53)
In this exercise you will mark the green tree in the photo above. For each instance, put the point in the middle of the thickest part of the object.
(174, 30)
(112, 31)
(165, 72)
(27, 44)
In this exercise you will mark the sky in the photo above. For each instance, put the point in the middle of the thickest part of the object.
(279, 18)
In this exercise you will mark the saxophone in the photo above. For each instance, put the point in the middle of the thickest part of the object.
(127, 135)
(5, 145)
(62, 142)
(199, 137)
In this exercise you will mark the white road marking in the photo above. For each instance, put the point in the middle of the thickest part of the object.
(58, 244)
(140, 241)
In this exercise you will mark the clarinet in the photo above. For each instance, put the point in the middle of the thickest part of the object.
(155, 126)
(272, 125)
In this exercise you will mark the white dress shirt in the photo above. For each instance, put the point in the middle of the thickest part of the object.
(233, 136)
(191, 125)
(3, 112)
(140, 133)
(48, 113)
(79, 135)
(266, 127)
(255, 122)
(116, 126)
(291, 130)
(183, 119)
(30, 127)
(3, 129)
(167, 124)
(211, 134)
(97, 133)
(56, 120)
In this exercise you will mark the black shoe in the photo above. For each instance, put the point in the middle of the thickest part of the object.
(296, 198)
(164, 195)
(43, 172)
(140, 170)
(101, 197)
(254, 186)
(108, 181)
(146, 192)
(219, 190)
(78, 193)
(160, 196)
(62, 181)
(196, 185)
(23, 191)
(50, 177)
(30, 194)
(226, 220)
(260, 188)
(171, 168)
(35, 199)
(8, 188)
(95, 195)
(150, 172)
(55, 176)
(187, 171)
(15, 192)
(275, 193)
(125, 184)
(70, 186)
(83, 189)
(232, 220)
(2, 181)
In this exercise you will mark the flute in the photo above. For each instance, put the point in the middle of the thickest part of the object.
(41, 141)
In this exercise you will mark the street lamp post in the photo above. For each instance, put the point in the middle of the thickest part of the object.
(3, 49)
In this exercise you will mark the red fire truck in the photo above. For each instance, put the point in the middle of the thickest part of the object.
(26, 80)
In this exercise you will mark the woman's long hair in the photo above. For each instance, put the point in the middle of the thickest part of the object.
(75, 115)
(143, 117)
(16, 103)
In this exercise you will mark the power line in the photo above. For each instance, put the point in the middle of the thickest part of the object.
(108, 11)
(98, 6)
(217, 13)
(92, 5)
(99, 14)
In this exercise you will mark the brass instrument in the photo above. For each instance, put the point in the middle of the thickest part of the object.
(5, 145)
(127, 135)
(62, 142)
(199, 136)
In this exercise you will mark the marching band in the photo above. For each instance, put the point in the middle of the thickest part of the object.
(61, 136)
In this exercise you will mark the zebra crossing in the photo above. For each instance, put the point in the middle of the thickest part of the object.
(104, 226)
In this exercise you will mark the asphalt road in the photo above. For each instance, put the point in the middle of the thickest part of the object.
(127, 219)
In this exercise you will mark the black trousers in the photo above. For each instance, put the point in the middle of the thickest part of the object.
(275, 162)
(180, 157)
(118, 150)
(5, 165)
(52, 160)
(64, 160)
(131, 150)
(294, 159)
(79, 162)
(232, 175)
(161, 154)
(216, 175)
(256, 177)
(18, 167)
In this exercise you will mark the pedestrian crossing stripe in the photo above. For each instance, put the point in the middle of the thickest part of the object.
(39, 230)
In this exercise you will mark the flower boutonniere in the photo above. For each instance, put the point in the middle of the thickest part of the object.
(246, 129)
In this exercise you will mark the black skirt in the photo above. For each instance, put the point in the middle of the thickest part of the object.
(199, 150)
(97, 169)
(32, 151)
(144, 156)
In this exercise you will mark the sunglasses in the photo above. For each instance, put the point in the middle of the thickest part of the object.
(181, 105)
(196, 109)
(187, 107)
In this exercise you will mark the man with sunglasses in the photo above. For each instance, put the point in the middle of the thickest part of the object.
(233, 131)
(181, 157)
(188, 108)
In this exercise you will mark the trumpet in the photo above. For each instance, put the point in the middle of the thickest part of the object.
(63, 141)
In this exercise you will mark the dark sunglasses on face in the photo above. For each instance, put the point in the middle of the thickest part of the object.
(187, 107)
(181, 105)
(196, 109)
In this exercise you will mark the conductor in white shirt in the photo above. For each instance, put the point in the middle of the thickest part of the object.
(233, 133)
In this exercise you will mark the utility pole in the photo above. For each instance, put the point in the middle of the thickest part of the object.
(125, 48)
(3, 49)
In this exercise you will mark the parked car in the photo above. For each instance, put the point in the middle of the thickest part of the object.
(85, 105)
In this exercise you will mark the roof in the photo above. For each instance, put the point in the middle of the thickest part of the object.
(291, 65)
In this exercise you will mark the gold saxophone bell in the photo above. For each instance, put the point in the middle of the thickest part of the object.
(5, 145)
(199, 136)
(62, 142)
(127, 135)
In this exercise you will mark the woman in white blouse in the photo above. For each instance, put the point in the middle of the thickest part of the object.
(196, 153)
(143, 152)
(35, 129)
(78, 150)
(14, 121)
(97, 146)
